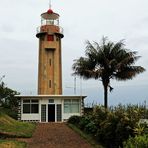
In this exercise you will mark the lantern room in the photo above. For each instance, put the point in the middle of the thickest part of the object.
(49, 24)
(50, 18)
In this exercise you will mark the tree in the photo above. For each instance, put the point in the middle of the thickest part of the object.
(7, 99)
(106, 61)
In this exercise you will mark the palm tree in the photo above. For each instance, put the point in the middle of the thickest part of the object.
(106, 61)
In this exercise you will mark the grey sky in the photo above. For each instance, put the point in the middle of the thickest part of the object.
(82, 20)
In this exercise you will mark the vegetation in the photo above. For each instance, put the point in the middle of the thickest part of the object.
(9, 112)
(106, 61)
(9, 127)
(112, 127)
(11, 144)
(88, 137)
(12, 128)
(138, 141)
(7, 99)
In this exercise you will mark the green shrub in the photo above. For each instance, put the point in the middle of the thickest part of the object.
(99, 114)
(113, 126)
(90, 128)
(9, 112)
(88, 110)
(84, 121)
(138, 141)
(111, 131)
(74, 120)
(119, 124)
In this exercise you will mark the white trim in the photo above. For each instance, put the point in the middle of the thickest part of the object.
(50, 96)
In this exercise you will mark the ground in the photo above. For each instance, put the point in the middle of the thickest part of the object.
(55, 135)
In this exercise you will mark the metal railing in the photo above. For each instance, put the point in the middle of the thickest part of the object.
(46, 28)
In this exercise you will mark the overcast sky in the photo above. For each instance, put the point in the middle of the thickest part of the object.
(82, 20)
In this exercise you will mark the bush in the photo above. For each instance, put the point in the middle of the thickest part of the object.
(138, 141)
(88, 110)
(119, 125)
(90, 128)
(9, 112)
(84, 121)
(87, 124)
(99, 114)
(113, 126)
(74, 120)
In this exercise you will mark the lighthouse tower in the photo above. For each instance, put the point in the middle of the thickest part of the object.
(50, 105)
(50, 62)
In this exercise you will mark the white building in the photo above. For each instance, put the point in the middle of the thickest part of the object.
(49, 108)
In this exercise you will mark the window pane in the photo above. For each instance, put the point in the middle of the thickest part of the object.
(59, 112)
(35, 101)
(50, 38)
(51, 100)
(75, 101)
(67, 108)
(75, 108)
(67, 101)
(71, 106)
(26, 108)
(34, 108)
(26, 101)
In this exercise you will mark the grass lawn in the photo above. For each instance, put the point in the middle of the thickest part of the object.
(12, 144)
(88, 138)
(12, 128)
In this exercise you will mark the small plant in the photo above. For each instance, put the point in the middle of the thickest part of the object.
(137, 142)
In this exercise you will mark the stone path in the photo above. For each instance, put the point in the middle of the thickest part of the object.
(56, 135)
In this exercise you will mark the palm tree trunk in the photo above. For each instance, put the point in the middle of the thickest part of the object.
(105, 96)
(105, 84)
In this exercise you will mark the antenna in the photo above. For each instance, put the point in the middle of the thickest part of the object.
(80, 85)
(50, 4)
(75, 85)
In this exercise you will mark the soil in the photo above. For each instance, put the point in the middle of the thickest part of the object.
(56, 135)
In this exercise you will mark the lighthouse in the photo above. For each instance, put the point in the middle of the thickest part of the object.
(49, 105)
(50, 61)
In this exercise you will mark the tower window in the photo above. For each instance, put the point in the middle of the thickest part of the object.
(49, 83)
(50, 38)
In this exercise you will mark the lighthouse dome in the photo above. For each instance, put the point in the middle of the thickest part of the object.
(50, 11)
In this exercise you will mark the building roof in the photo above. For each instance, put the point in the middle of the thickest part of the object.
(51, 96)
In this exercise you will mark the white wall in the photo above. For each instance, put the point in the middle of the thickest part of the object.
(30, 117)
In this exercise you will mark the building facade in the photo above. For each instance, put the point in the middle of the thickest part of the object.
(49, 108)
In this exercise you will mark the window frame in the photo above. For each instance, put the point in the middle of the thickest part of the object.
(69, 106)
(30, 103)
(50, 38)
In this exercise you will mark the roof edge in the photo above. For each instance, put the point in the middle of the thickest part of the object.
(46, 96)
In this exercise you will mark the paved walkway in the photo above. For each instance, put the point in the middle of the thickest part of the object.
(56, 135)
